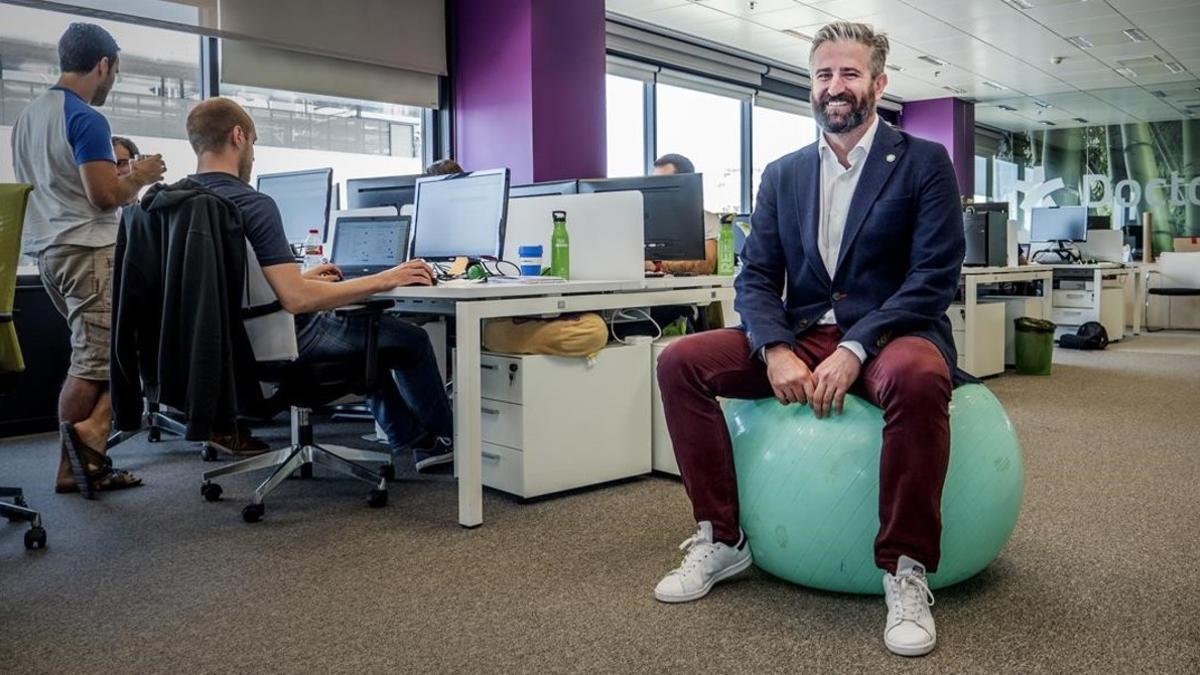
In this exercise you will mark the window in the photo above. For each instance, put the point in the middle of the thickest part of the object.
(706, 129)
(775, 134)
(158, 84)
(626, 126)
(356, 138)
(981, 179)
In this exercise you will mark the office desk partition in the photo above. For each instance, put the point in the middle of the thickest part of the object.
(471, 304)
(972, 278)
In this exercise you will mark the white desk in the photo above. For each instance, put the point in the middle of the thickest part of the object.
(470, 304)
(974, 277)
(1098, 272)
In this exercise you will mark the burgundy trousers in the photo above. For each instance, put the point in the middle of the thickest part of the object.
(909, 379)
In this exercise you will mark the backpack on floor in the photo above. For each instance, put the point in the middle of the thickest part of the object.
(1090, 335)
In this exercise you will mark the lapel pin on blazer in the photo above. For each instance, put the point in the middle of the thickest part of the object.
(890, 158)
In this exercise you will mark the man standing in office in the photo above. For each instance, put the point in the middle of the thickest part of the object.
(669, 165)
(411, 406)
(62, 146)
(852, 260)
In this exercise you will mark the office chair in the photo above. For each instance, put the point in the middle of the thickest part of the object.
(303, 387)
(13, 198)
(1180, 277)
(154, 255)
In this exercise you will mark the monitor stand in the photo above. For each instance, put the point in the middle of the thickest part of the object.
(1065, 255)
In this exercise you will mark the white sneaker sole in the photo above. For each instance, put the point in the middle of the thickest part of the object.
(703, 590)
(434, 460)
(910, 650)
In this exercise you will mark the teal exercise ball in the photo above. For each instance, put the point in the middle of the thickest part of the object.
(809, 489)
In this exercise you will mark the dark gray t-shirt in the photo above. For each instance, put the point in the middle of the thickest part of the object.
(260, 217)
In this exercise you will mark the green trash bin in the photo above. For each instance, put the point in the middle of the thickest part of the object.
(1034, 345)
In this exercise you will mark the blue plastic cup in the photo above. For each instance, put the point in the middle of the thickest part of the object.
(530, 260)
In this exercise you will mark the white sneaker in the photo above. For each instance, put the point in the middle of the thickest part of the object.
(705, 563)
(909, 630)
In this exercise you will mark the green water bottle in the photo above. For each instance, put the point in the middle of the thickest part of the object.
(725, 246)
(560, 247)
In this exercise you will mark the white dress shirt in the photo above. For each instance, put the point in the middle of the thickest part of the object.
(838, 184)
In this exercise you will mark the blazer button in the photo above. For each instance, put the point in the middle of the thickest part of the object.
(838, 297)
(802, 323)
(881, 342)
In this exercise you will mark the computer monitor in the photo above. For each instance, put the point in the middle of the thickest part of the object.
(460, 215)
(303, 200)
(397, 191)
(557, 187)
(673, 212)
(365, 245)
(1095, 222)
(1058, 223)
(989, 207)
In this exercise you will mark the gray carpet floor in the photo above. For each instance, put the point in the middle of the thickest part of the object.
(1101, 574)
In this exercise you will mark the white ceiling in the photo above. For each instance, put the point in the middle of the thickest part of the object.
(985, 44)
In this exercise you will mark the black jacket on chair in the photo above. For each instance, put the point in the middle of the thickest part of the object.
(178, 279)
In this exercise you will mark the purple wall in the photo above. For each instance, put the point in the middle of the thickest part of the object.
(951, 122)
(529, 87)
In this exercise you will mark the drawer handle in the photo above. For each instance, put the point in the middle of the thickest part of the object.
(490, 411)
(490, 455)
(488, 366)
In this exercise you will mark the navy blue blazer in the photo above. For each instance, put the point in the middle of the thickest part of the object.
(902, 249)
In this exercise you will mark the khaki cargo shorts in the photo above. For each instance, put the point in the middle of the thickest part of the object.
(79, 282)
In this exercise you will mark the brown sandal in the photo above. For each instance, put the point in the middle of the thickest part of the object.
(92, 471)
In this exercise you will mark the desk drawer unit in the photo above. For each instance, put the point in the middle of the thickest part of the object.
(1073, 316)
(980, 354)
(502, 423)
(552, 423)
(1074, 298)
(500, 377)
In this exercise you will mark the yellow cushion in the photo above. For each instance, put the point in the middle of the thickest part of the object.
(572, 335)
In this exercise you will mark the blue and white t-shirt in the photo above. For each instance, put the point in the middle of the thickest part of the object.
(55, 135)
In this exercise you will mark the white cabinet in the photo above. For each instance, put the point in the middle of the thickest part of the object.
(1075, 307)
(1015, 308)
(553, 423)
(1112, 312)
(983, 354)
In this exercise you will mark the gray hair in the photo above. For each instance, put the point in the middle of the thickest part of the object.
(844, 31)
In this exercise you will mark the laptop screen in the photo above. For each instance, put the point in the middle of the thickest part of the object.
(368, 244)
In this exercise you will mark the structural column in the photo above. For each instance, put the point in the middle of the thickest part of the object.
(529, 87)
(951, 122)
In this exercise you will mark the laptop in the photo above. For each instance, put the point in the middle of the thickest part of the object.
(364, 245)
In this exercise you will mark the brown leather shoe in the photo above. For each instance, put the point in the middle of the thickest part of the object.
(240, 444)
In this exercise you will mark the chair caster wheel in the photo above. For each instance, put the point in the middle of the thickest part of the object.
(377, 499)
(35, 537)
(388, 472)
(211, 492)
(306, 471)
(253, 512)
(153, 435)
(208, 453)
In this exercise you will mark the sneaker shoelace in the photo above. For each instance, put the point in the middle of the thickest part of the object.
(914, 596)
(696, 548)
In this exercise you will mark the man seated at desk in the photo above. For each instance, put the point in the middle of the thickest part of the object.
(411, 405)
(669, 165)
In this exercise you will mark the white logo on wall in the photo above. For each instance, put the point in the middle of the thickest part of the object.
(1126, 196)
(1128, 193)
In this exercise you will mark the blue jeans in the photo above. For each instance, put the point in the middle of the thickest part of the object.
(409, 404)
